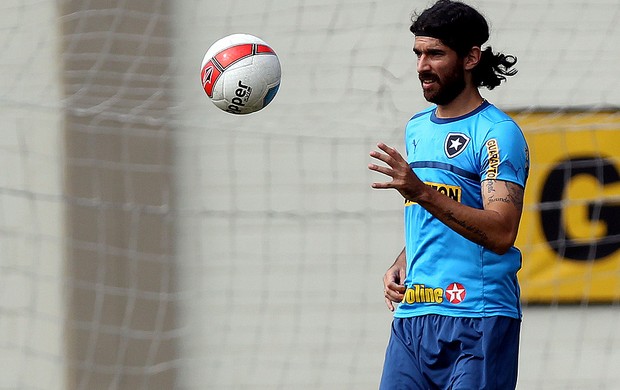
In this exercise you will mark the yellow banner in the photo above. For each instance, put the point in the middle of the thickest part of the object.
(570, 229)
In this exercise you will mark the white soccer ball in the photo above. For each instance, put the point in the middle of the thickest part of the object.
(240, 73)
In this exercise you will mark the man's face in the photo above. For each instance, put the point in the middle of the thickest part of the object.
(440, 70)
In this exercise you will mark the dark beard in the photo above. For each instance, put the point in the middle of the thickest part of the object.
(449, 88)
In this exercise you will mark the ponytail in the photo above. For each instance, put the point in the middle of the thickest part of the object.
(493, 68)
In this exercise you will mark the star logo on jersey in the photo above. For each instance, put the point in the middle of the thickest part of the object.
(455, 293)
(455, 143)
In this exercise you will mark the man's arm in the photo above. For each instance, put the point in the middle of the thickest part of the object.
(494, 227)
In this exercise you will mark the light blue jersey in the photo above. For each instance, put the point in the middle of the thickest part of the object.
(448, 274)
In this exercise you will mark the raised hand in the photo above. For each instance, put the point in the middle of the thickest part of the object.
(404, 180)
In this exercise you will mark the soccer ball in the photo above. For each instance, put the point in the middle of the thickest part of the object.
(240, 73)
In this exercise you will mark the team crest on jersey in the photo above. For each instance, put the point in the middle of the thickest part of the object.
(455, 143)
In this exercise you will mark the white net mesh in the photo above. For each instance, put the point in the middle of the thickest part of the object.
(149, 240)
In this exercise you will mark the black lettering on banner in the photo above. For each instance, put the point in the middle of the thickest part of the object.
(552, 204)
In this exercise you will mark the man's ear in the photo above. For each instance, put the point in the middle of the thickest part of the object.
(472, 58)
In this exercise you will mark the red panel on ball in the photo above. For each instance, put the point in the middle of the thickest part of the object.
(233, 54)
(209, 75)
(264, 49)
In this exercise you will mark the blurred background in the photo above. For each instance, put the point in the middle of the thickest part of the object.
(149, 240)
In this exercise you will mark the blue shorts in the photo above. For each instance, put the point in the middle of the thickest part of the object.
(439, 352)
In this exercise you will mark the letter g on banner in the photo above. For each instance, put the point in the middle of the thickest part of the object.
(553, 208)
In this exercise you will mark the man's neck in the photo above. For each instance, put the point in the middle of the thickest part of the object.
(463, 104)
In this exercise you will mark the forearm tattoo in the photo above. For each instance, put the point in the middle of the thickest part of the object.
(470, 228)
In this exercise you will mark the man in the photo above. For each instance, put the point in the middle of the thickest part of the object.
(458, 319)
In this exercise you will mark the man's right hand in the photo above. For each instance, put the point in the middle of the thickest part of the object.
(393, 287)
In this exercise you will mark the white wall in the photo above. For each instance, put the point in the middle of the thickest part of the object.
(31, 202)
(285, 241)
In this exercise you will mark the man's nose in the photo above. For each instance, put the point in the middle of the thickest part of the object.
(423, 63)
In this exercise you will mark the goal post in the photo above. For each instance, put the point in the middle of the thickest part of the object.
(122, 290)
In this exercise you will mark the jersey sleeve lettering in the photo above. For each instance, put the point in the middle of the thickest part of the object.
(505, 154)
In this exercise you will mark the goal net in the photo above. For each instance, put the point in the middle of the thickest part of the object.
(149, 240)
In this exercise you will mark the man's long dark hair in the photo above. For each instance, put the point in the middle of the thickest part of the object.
(461, 27)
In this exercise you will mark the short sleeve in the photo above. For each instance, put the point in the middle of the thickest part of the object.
(505, 154)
